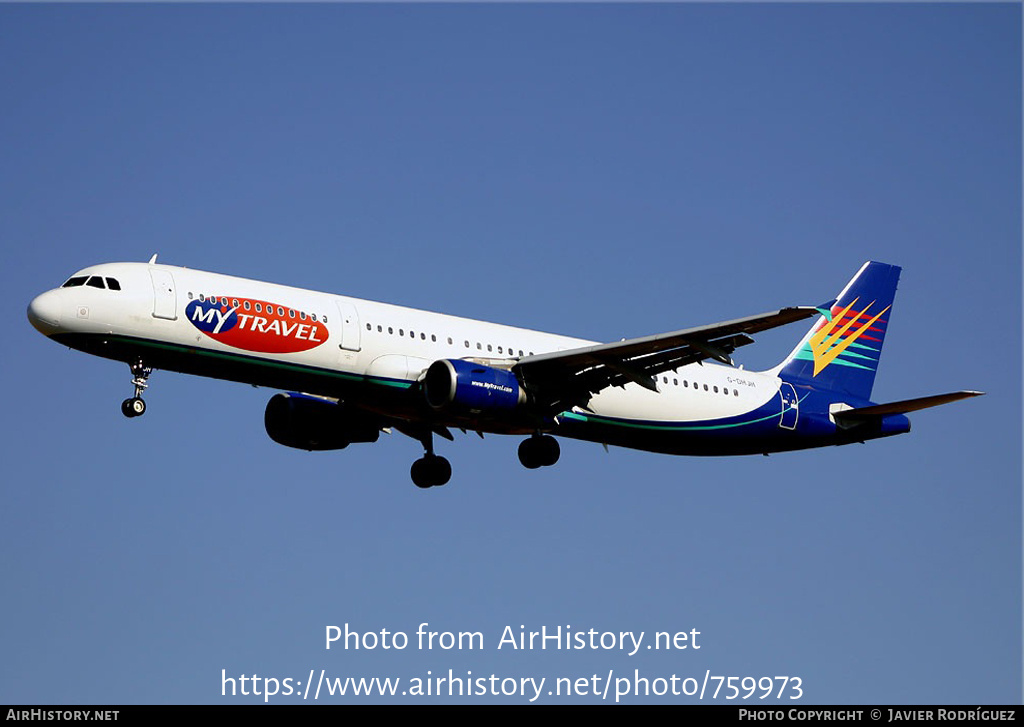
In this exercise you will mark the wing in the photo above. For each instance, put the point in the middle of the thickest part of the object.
(561, 380)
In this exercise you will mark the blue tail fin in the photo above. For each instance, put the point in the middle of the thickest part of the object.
(841, 351)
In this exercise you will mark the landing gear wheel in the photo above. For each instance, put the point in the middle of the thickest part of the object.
(134, 407)
(528, 454)
(549, 450)
(431, 471)
(539, 451)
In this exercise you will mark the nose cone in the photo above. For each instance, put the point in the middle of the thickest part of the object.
(44, 312)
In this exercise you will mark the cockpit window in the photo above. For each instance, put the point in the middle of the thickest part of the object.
(93, 281)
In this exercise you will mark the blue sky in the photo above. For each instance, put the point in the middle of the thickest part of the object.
(602, 171)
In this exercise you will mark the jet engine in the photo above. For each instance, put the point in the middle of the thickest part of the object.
(310, 423)
(457, 386)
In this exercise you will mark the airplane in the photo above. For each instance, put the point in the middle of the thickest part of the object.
(350, 369)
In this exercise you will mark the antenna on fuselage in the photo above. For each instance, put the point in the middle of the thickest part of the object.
(152, 260)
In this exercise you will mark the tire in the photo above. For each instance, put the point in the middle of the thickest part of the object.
(134, 407)
(420, 473)
(549, 450)
(528, 454)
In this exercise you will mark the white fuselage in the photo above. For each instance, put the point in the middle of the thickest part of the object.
(355, 367)
(376, 342)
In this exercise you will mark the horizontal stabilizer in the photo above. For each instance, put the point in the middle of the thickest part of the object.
(850, 417)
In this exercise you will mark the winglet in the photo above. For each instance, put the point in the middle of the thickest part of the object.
(826, 309)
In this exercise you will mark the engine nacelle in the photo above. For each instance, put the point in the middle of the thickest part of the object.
(309, 423)
(463, 386)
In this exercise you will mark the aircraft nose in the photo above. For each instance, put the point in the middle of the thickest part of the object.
(44, 312)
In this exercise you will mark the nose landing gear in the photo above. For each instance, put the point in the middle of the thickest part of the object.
(136, 405)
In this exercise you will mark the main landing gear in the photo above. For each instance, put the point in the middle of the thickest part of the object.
(430, 470)
(540, 450)
(136, 406)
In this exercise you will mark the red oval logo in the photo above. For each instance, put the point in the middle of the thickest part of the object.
(256, 325)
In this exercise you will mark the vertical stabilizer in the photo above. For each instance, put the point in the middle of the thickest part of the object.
(841, 351)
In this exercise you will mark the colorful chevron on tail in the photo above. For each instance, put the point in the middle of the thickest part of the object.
(842, 349)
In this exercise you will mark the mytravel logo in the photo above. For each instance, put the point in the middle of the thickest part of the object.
(256, 325)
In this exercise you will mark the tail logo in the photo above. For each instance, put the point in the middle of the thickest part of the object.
(838, 334)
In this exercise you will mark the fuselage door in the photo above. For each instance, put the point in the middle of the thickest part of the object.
(164, 298)
(790, 406)
(349, 325)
